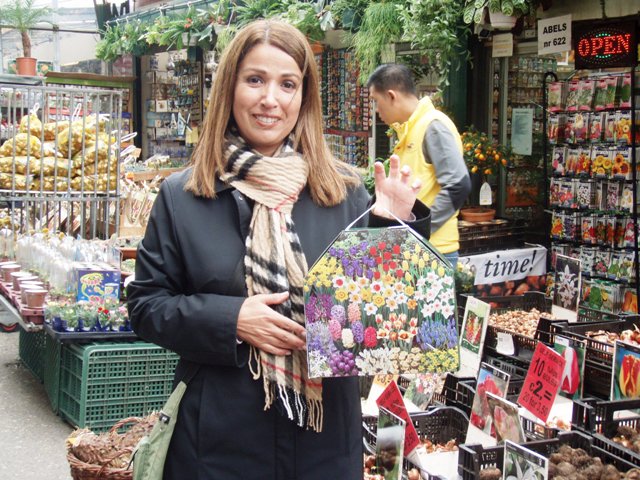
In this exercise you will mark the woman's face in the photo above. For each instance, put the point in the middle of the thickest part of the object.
(267, 97)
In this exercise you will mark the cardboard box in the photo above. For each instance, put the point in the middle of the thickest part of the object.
(95, 281)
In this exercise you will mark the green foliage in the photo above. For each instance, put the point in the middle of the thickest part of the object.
(348, 13)
(312, 19)
(381, 26)
(368, 178)
(437, 31)
(255, 9)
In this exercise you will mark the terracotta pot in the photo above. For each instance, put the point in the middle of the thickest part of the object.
(15, 279)
(477, 214)
(7, 270)
(35, 298)
(26, 66)
(31, 285)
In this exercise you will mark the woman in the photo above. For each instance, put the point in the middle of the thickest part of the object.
(219, 273)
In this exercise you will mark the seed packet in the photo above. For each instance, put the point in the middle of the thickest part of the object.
(583, 166)
(601, 163)
(580, 127)
(587, 231)
(621, 163)
(557, 224)
(600, 97)
(596, 123)
(587, 258)
(609, 134)
(558, 160)
(557, 91)
(601, 229)
(601, 194)
(629, 300)
(625, 91)
(554, 191)
(603, 258)
(585, 194)
(612, 87)
(623, 128)
(629, 233)
(571, 226)
(618, 239)
(555, 128)
(571, 163)
(567, 193)
(613, 272)
(573, 94)
(610, 231)
(587, 91)
(626, 198)
(557, 249)
(614, 190)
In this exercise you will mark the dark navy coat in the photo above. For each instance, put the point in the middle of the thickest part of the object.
(187, 293)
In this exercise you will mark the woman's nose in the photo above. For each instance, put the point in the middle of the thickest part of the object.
(269, 95)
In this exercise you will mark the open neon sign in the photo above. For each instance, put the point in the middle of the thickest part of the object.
(606, 45)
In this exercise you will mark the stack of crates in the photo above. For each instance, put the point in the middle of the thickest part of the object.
(101, 383)
(31, 351)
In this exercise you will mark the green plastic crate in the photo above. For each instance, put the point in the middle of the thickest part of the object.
(31, 351)
(52, 352)
(101, 383)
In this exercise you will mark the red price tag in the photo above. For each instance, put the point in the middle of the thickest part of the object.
(542, 382)
(391, 399)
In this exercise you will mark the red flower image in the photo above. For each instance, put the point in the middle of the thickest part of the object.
(370, 337)
(396, 249)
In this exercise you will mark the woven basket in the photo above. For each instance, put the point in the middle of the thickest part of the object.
(81, 470)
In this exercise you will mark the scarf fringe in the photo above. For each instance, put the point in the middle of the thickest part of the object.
(255, 366)
(303, 411)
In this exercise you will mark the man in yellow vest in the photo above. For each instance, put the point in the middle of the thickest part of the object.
(429, 142)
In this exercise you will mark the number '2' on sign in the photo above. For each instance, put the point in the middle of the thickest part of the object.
(542, 381)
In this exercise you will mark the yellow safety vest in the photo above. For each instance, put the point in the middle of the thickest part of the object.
(409, 148)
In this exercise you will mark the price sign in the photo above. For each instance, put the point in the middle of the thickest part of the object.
(391, 399)
(542, 381)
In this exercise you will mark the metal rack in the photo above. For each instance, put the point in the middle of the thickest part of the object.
(59, 159)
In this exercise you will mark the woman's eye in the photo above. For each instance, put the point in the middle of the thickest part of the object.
(289, 85)
(254, 79)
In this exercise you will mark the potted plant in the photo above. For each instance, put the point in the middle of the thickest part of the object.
(23, 15)
(503, 14)
(483, 157)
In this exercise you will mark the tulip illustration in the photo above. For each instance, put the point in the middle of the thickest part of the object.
(571, 373)
(629, 376)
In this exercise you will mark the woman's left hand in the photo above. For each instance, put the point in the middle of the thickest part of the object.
(395, 193)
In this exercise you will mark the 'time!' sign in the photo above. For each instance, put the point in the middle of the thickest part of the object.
(606, 44)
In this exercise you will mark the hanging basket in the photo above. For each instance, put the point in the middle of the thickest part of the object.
(500, 21)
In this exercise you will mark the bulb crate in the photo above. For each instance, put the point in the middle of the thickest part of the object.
(101, 383)
(472, 459)
(31, 351)
(438, 425)
(601, 418)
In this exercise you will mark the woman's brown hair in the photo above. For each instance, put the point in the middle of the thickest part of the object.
(328, 179)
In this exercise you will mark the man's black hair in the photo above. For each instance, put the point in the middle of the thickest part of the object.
(392, 76)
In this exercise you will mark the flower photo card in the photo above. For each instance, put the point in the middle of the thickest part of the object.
(493, 380)
(380, 301)
(472, 335)
(573, 351)
(567, 282)
(505, 419)
(390, 445)
(625, 378)
(520, 463)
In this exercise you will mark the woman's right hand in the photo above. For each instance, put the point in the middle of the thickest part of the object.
(264, 328)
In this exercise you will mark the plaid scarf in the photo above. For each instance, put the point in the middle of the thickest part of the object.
(274, 262)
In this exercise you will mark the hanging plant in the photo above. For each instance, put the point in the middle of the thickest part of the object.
(312, 19)
(437, 31)
(348, 13)
(110, 47)
(381, 26)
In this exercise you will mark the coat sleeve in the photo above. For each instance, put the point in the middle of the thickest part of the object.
(200, 327)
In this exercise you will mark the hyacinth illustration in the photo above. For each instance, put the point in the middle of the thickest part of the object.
(384, 297)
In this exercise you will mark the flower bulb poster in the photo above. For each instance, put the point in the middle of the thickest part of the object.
(380, 301)
(573, 351)
(505, 419)
(472, 334)
(625, 381)
(520, 463)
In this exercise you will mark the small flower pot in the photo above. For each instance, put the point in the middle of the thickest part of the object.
(58, 324)
(35, 297)
(29, 285)
(15, 279)
(7, 270)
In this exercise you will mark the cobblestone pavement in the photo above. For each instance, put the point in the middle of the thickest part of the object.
(31, 436)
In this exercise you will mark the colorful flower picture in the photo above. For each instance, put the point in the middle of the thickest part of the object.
(520, 463)
(380, 301)
(567, 282)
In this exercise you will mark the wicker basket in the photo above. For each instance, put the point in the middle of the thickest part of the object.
(100, 469)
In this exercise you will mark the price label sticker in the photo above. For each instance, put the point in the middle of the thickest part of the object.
(542, 381)
(485, 194)
(505, 344)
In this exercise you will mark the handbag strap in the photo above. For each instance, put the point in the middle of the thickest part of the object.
(192, 370)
